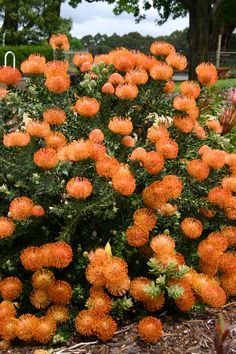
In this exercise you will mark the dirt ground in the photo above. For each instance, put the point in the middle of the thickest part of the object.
(180, 336)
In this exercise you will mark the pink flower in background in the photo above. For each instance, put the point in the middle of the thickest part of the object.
(232, 96)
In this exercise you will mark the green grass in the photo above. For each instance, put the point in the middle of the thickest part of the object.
(221, 84)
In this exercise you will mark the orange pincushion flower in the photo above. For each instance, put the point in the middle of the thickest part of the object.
(123, 59)
(82, 57)
(121, 125)
(227, 262)
(137, 288)
(153, 162)
(209, 269)
(137, 235)
(168, 148)
(184, 103)
(59, 41)
(87, 106)
(162, 244)
(198, 169)
(96, 135)
(9, 75)
(145, 217)
(150, 329)
(128, 141)
(11, 288)
(118, 287)
(207, 213)
(84, 322)
(37, 211)
(173, 186)
(167, 209)
(60, 254)
(185, 301)
(214, 158)
(56, 67)
(16, 139)
(55, 140)
(75, 151)
(156, 132)
(191, 227)
(154, 195)
(169, 86)
(230, 209)
(8, 328)
(108, 88)
(98, 256)
(42, 278)
(190, 88)
(26, 325)
(7, 227)
(60, 292)
(136, 76)
(107, 166)
(229, 182)
(123, 181)
(228, 283)
(177, 61)
(230, 159)
(115, 268)
(116, 79)
(45, 329)
(86, 67)
(219, 240)
(214, 125)
(126, 91)
(46, 158)
(219, 196)
(138, 154)
(79, 188)
(21, 208)
(208, 252)
(141, 60)
(230, 233)
(105, 327)
(98, 150)
(32, 258)
(99, 302)
(38, 128)
(161, 48)
(161, 71)
(94, 274)
(34, 64)
(58, 84)
(206, 74)
(60, 314)
(54, 116)
(102, 58)
(39, 298)
(7, 310)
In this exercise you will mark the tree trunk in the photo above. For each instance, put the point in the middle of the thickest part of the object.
(198, 35)
(10, 23)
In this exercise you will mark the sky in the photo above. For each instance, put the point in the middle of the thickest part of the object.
(98, 18)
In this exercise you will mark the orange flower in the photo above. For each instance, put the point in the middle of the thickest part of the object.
(96, 135)
(118, 287)
(185, 124)
(184, 103)
(87, 106)
(115, 268)
(9, 75)
(230, 159)
(156, 132)
(75, 151)
(45, 329)
(162, 244)
(38, 128)
(16, 139)
(209, 269)
(99, 302)
(122, 59)
(137, 235)
(60, 254)
(98, 256)
(154, 195)
(136, 76)
(108, 88)
(161, 71)
(102, 58)
(228, 283)
(59, 313)
(190, 88)
(219, 241)
(209, 253)
(84, 322)
(128, 141)
(107, 166)
(46, 158)
(185, 301)
(54, 115)
(127, 91)
(58, 84)
(32, 258)
(60, 292)
(7, 310)
(7, 227)
(37, 211)
(206, 74)
(191, 227)
(230, 233)
(230, 209)
(167, 209)
(105, 327)
(55, 140)
(138, 154)
(227, 262)
(229, 182)
(214, 125)
(121, 125)
(141, 60)
(86, 67)
(199, 131)
(154, 304)
(116, 79)
(153, 162)
(59, 41)
(3, 92)
(207, 213)
(161, 48)
(94, 274)
(219, 196)
(98, 149)
(150, 329)
(34, 64)
(79, 188)
(198, 169)
(42, 278)
(169, 86)
(82, 57)
(145, 217)
(21, 208)
(123, 181)
(168, 148)
(11, 288)
(39, 298)
(173, 186)
(214, 158)
(8, 328)
(56, 67)
(177, 61)
(26, 325)
(137, 288)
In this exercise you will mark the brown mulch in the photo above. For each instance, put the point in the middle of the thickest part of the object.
(180, 336)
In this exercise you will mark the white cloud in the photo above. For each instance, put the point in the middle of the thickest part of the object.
(99, 18)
